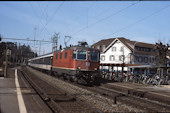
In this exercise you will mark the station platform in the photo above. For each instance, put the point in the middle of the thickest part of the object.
(158, 93)
(17, 96)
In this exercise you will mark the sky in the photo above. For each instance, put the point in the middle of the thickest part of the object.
(90, 21)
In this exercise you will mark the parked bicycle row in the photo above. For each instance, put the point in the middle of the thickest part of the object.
(136, 78)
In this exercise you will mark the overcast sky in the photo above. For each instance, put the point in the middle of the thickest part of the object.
(91, 21)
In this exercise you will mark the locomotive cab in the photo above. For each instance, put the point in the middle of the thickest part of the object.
(86, 60)
(77, 63)
(86, 63)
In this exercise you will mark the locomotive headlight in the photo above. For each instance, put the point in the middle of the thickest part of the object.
(79, 67)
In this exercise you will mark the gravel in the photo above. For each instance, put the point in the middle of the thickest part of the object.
(91, 98)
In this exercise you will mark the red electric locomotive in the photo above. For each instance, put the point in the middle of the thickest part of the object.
(77, 63)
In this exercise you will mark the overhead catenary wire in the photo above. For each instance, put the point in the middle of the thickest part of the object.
(140, 20)
(43, 12)
(105, 18)
(52, 17)
(46, 11)
(28, 40)
(113, 5)
(40, 21)
(91, 6)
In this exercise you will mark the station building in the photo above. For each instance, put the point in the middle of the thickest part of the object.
(119, 54)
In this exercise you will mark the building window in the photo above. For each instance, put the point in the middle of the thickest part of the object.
(65, 55)
(102, 58)
(121, 57)
(114, 49)
(122, 48)
(112, 57)
(146, 59)
(60, 55)
(153, 59)
(56, 56)
(136, 59)
(140, 59)
(150, 60)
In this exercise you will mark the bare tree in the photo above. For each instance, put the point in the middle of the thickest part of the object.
(162, 60)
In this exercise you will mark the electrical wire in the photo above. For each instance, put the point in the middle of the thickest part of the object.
(78, 17)
(105, 18)
(98, 15)
(140, 20)
(38, 18)
(52, 16)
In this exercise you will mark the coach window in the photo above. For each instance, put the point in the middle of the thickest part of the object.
(74, 54)
(60, 55)
(65, 55)
(56, 56)
(81, 54)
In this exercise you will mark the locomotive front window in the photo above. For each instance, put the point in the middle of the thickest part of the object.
(94, 56)
(74, 54)
(81, 55)
(56, 56)
(60, 55)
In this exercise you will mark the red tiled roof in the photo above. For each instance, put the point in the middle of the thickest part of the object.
(105, 42)
(128, 43)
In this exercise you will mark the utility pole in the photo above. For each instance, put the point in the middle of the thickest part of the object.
(65, 42)
(6, 62)
(55, 41)
(34, 39)
(40, 49)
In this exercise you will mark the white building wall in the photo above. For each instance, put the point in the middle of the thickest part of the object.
(116, 53)
(126, 52)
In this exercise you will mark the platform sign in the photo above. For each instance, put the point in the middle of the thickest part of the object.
(8, 52)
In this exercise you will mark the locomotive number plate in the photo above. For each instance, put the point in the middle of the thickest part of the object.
(87, 64)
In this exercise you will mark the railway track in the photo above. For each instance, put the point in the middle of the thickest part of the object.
(117, 98)
(55, 98)
(138, 102)
(131, 100)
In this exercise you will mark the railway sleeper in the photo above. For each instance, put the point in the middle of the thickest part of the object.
(134, 103)
(65, 99)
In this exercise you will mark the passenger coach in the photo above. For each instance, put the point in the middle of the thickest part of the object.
(42, 62)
